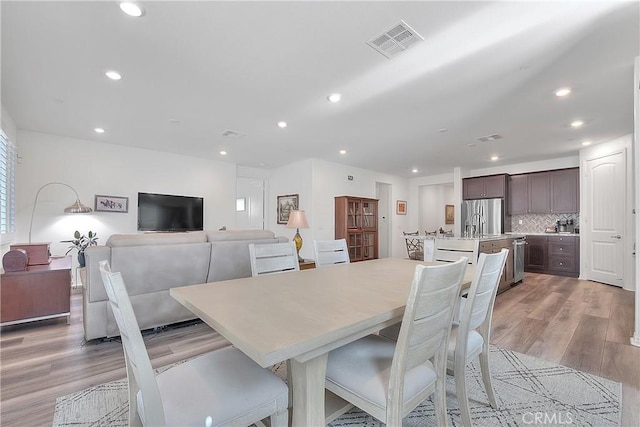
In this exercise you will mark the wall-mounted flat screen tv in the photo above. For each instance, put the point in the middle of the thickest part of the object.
(163, 212)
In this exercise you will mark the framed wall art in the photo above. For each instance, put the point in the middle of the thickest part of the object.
(401, 207)
(286, 204)
(112, 204)
(449, 214)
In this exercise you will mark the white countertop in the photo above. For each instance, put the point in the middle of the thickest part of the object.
(547, 234)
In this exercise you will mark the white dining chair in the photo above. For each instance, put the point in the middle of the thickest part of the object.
(270, 258)
(330, 252)
(388, 379)
(221, 388)
(470, 337)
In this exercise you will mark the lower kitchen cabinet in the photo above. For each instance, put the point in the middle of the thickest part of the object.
(557, 254)
(495, 246)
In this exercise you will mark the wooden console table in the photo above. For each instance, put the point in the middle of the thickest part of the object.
(40, 292)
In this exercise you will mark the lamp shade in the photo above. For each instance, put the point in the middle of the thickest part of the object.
(78, 207)
(297, 219)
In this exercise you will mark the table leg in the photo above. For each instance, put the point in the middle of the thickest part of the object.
(308, 397)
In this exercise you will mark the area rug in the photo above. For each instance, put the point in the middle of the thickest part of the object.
(529, 391)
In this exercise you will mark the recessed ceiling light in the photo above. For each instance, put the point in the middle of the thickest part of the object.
(563, 91)
(585, 143)
(131, 9)
(113, 75)
(282, 125)
(223, 153)
(494, 158)
(343, 151)
(443, 130)
(577, 123)
(414, 170)
(99, 130)
(471, 144)
(334, 97)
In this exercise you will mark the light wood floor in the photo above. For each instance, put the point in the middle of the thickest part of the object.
(581, 324)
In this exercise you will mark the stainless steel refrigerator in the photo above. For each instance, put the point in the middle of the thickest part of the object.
(482, 217)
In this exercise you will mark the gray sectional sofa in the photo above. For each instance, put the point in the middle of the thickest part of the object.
(153, 263)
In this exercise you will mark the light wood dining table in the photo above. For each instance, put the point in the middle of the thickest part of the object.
(300, 316)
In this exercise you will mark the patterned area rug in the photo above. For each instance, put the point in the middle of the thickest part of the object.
(530, 391)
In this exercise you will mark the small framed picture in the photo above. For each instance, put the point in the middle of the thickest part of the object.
(448, 214)
(286, 204)
(401, 207)
(112, 204)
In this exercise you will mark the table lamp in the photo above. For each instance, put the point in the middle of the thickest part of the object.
(297, 220)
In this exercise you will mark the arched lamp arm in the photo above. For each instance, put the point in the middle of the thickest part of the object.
(35, 201)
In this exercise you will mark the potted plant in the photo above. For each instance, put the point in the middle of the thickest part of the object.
(80, 242)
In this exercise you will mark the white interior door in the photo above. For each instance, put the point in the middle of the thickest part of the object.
(249, 203)
(604, 221)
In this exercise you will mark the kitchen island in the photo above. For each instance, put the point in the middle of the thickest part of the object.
(452, 248)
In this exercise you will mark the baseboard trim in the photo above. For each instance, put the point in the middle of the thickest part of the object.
(635, 340)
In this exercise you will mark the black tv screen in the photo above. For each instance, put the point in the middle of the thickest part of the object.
(163, 212)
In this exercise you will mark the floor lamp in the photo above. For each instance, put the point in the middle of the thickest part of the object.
(77, 207)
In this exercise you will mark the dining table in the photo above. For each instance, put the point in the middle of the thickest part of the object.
(300, 316)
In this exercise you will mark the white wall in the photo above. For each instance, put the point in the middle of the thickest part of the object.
(106, 169)
(295, 178)
(318, 182)
(432, 201)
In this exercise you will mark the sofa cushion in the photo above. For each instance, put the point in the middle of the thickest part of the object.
(147, 239)
(236, 235)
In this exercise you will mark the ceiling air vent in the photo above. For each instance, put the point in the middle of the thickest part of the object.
(489, 138)
(395, 40)
(232, 134)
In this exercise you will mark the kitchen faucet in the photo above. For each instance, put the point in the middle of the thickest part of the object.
(481, 222)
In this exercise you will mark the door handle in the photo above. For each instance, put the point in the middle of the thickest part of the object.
(617, 236)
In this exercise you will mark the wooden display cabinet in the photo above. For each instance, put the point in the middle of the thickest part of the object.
(356, 221)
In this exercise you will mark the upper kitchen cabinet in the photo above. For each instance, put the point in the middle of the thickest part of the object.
(544, 192)
(484, 187)
(565, 190)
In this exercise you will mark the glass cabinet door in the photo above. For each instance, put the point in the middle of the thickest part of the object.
(354, 214)
(369, 216)
(368, 245)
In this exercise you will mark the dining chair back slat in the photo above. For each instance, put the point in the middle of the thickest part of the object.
(330, 252)
(271, 258)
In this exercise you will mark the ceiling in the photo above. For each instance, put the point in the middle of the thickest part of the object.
(193, 70)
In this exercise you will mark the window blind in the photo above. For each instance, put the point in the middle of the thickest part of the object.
(8, 160)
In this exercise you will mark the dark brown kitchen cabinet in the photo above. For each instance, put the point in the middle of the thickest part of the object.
(554, 254)
(544, 192)
(518, 194)
(494, 246)
(564, 190)
(535, 253)
(539, 192)
(484, 187)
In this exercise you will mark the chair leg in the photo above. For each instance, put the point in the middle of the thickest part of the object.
(461, 390)
(280, 419)
(486, 378)
(290, 383)
(440, 401)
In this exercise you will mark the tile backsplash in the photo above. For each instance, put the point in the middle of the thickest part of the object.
(536, 223)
